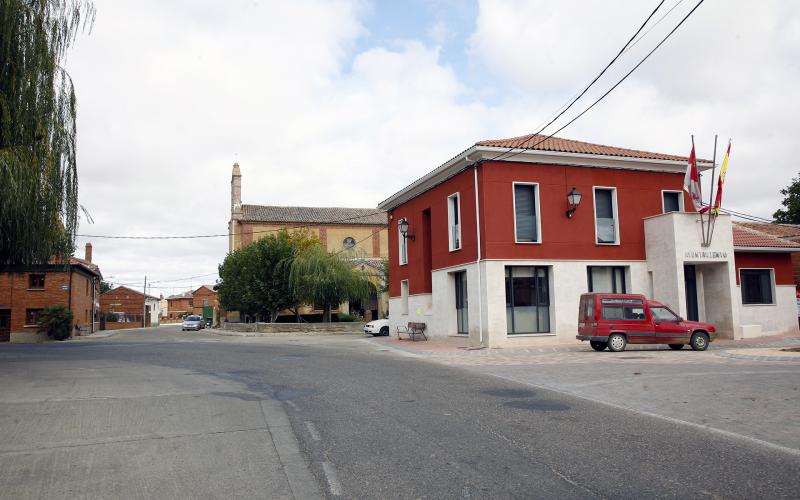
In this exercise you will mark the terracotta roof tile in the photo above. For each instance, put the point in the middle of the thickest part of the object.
(557, 144)
(314, 215)
(784, 231)
(746, 236)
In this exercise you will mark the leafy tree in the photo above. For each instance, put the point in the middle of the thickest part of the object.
(38, 174)
(791, 201)
(255, 278)
(105, 286)
(56, 321)
(326, 279)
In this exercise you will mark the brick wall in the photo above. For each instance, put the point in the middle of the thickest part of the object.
(123, 299)
(200, 296)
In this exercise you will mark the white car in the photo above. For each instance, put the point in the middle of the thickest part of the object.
(377, 327)
(193, 323)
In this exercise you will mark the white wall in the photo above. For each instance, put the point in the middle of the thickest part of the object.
(773, 319)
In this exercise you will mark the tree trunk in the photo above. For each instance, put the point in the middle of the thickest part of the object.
(326, 317)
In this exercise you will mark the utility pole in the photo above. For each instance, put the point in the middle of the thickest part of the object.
(144, 301)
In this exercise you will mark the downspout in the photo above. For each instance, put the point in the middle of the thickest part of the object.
(478, 259)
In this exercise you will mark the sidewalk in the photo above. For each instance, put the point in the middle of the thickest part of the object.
(457, 346)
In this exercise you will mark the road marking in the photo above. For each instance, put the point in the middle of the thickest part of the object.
(333, 481)
(673, 420)
(293, 405)
(312, 429)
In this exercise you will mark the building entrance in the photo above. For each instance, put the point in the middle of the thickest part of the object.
(690, 279)
(5, 325)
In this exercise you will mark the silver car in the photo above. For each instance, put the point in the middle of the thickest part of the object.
(192, 323)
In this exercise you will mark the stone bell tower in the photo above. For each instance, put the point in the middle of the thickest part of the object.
(236, 206)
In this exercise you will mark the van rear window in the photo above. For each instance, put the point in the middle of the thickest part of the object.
(624, 312)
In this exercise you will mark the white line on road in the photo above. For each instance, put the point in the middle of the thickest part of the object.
(755, 441)
(312, 429)
(293, 405)
(333, 481)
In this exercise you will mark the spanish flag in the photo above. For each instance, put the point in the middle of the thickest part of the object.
(721, 179)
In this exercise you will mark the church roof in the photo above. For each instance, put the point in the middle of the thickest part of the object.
(314, 215)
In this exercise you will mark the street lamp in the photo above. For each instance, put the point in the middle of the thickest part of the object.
(403, 225)
(573, 199)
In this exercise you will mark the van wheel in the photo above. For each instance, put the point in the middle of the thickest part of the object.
(616, 342)
(699, 341)
(676, 347)
(598, 346)
(385, 331)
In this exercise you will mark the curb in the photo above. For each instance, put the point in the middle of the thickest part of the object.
(227, 333)
(110, 333)
(758, 357)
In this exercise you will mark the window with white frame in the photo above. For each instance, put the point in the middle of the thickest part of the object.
(526, 213)
(454, 221)
(605, 216)
(757, 286)
(607, 279)
(403, 242)
(404, 297)
(671, 201)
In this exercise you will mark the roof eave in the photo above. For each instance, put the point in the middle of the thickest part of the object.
(477, 153)
(766, 249)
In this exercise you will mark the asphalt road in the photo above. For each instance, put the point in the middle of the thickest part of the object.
(163, 414)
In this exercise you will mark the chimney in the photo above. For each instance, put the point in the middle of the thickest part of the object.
(88, 255)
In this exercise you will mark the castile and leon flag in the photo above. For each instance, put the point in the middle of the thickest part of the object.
(691, 183)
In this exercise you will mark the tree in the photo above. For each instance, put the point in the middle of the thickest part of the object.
(105, 286)
(791, 201)
(38, 173)
(255, 278)
(56, 321)
(326, 279)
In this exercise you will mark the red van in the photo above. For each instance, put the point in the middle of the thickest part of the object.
(614, 320)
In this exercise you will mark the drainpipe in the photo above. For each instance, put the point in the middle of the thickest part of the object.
(478, 259)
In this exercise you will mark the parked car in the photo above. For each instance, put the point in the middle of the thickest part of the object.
(192, 323)
(615, 320)
(377, 327)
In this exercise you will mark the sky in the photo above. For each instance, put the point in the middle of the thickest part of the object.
(344, 102)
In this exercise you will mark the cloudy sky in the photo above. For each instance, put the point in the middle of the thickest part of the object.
(341, 103)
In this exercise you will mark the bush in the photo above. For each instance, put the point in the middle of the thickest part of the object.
(347, 318)
(56, 321)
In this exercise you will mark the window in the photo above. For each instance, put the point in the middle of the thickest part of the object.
(404, 297)
(454, 221)
(462, 308)
(623, 309)
(527, 299)
(348, 243)
(663, 314)
(605, 212)
(32, 317)
(526, 213)
(756, 286)
(403, 242)
(671, 201)
(608, 279)
(36, 281)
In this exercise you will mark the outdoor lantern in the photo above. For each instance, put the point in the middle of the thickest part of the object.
(403, 225)
(574, 199)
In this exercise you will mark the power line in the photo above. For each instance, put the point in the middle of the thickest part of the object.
(586, 89)
(597, 101)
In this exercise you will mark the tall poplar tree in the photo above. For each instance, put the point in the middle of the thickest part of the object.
(38, 174)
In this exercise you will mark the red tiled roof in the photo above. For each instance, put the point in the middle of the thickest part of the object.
(540, 142)
(746, 236)
(790, 232)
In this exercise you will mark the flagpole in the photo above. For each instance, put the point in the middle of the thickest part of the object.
(702, 224)
(711, 216)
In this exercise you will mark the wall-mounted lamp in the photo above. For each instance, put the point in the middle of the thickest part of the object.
(403, 225)
(573, 199)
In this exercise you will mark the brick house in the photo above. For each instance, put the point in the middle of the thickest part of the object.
(26, 290)
(123, 307)
(786, 232)
(179, 305)
(498, 244)
(206, 297)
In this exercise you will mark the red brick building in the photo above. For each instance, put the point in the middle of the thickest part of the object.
(123, 307)
(203, 297)
(26, 290)
(179, 305)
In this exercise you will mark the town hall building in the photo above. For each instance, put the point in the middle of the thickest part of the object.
(498, 243)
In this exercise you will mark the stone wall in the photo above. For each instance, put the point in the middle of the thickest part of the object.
(295, 328)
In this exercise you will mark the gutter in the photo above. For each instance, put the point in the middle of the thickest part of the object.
(766, 249)
(478, 258)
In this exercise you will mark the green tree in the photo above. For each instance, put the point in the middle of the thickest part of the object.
(105, 286)
(327, 279)
(38, 173)
(791, 201)
(254, 280)
(56, 321)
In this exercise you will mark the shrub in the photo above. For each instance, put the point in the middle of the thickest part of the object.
(344, 317)
(56, 321)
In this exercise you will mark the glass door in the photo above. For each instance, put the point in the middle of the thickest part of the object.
(462, 324)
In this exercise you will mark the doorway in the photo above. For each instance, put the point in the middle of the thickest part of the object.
(462, 323)
(690, 280)
(5, 325)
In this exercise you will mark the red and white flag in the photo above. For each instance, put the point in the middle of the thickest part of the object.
(691, 183)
